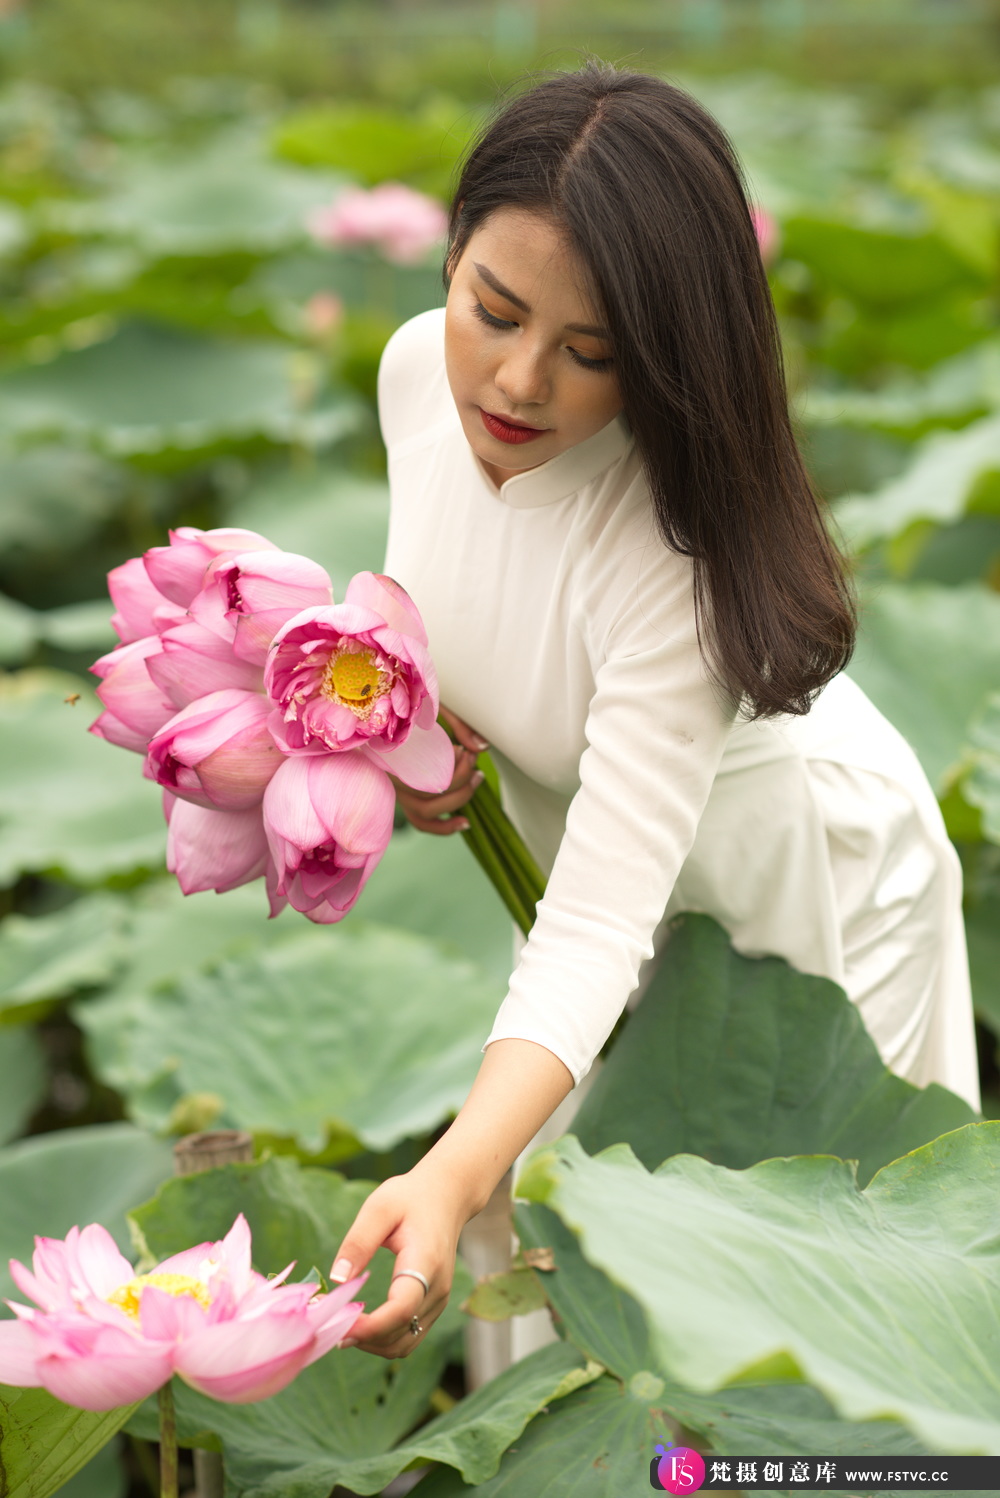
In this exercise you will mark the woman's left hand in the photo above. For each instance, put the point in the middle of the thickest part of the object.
(418, 1219)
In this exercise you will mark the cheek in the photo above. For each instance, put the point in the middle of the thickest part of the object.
(465, 355)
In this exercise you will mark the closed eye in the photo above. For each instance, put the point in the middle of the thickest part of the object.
(503, 325)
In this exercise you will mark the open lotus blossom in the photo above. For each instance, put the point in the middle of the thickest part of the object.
(358, 675)
(103, 1336)
(213, 849)
(247, 598)
(328, 821)
(217, 752)
(403, 224)
(178, 570)
(136, 707)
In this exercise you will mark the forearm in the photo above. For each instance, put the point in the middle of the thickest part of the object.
(518, 1086)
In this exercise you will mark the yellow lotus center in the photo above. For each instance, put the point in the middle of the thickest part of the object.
(128, 1296)
(353, 679)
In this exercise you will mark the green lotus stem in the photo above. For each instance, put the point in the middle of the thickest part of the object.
(499, 847)
(168, 1443)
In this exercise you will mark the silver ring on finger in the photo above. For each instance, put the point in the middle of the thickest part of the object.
(415, 1328)
(413, 1274)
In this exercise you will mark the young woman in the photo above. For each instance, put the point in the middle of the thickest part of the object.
(630, 593)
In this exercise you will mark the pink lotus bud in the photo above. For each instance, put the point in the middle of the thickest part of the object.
(140, 609)
(768, 233)
(194, 661)
(403, 224)
(213, 849)
(136, 706)
(217, 752)
(106, 1337)
(345, 677)
(178, 570)
(323, 316)
(328, 821)
(248, 598)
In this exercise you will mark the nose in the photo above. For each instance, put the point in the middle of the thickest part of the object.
(523, 376)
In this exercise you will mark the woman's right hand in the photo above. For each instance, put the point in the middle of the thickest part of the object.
(438, 813)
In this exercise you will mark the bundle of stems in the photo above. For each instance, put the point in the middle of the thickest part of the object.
(500, 849)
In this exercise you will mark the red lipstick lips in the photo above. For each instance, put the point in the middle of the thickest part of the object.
(509, 431)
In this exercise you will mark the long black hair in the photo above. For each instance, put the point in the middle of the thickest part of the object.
(649, 191)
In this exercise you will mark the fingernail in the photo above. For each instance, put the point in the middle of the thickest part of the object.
(349, 1342)
(480, 743)
(478, 778)
(462, 826)
(341, 1271)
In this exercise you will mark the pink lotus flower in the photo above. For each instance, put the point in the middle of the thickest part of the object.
(178, 570)
(217, 752)
(328, 821)
(323, 316)
(140, 609)
(247, 598)
(404, 225)
(359, 675)
(104, 1337)
(213, 849)
(193, 661)
(768, 233)
(136, 708)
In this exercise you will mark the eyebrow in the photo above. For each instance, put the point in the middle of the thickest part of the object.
(504, 291)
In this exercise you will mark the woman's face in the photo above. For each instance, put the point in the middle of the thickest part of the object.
(528, 362)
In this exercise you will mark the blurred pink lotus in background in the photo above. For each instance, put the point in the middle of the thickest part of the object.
(768, 233)
(328, 821)
(279, 770)
(402, 224)
(359, 675)
(103, 1337)
(323, 316)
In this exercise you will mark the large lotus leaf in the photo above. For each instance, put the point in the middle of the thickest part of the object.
(17, 631)
(370, 1031)
(878, 267)
(739, 1059)
(104, 1476)
(598, 1442)
(376, 144)
(226, 195)
(54, 498)
(982, 785)
(69, 802)
(46, 959)
(23, 1079)
(77, 626)
(44, 1443)
(433, 886)
(928, 656)
(320, 512)
(341, 1418)
(788, 1271)
(53, 1182)
(951, 394)
(947, 469)
(150, 389)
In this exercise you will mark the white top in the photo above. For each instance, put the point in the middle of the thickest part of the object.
(563, 630)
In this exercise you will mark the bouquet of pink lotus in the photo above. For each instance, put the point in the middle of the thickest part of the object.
(271, 716)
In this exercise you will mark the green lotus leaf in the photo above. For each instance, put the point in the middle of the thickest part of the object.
(44, 1444)
(982, 784)
(45, 959)
(69, 803)
(787, 1265)
(368, 1030)
(928, 657)
(24, 1079)
(739, 1059)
